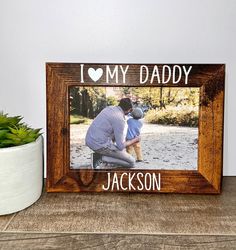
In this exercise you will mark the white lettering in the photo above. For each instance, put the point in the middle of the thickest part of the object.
(164, 79)
(175, 73)
(187, 73)
(82, 73)
(143, 181)
(141, 74)
(155, 73)
(108, 182)
(140, 182)
(124, 72)
(111, 74)
(121, 181)
(156, 182)
(148, 177)
(115, 182)
(130, 181)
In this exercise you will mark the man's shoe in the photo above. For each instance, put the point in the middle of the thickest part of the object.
(96, 160)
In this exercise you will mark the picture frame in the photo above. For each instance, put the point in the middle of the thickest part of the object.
(206, 179)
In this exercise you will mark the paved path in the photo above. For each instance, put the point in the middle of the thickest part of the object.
(164, 147)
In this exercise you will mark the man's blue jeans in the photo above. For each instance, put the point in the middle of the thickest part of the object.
(115, 156)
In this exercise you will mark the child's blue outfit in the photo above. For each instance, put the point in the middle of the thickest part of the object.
(134, 127)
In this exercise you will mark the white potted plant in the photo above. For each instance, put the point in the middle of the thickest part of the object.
(21, 164)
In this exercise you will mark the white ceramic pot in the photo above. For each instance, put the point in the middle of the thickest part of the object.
(21, 176)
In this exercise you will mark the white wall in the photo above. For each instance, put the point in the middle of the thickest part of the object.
(125, 31)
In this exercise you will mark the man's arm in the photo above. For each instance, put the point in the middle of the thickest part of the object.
(131, 142)
(119, 133)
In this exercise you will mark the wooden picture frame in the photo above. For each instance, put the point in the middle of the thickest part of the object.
(210, 78)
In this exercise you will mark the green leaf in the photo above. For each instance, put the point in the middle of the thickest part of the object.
(3, 133)
(14, 133)
(6, 121)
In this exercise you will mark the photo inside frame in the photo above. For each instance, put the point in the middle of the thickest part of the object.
(168, 132)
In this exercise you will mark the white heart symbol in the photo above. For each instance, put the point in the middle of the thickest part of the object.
(95, 75)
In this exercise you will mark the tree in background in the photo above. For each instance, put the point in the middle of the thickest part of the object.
(87, 101)
(162, 104)
(112, 101)
(162, 97)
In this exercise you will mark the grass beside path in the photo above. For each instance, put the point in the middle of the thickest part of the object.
(78, 119)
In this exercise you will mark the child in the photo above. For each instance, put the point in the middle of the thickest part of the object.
(134, 127)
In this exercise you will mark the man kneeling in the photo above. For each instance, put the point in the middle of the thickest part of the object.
(107, 133)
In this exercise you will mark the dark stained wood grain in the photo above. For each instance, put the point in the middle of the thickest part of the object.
(60, 178)
(172, 181)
